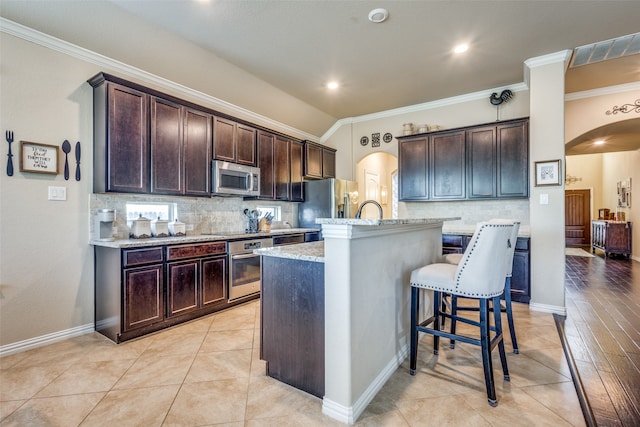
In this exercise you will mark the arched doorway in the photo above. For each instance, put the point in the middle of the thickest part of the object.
(375, 177)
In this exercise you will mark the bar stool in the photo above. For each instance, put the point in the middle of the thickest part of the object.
(455, 259)
(479, 275)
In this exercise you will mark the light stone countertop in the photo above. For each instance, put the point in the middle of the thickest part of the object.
(468, 229)
(197, 238)
(312, 251)
(378, 222)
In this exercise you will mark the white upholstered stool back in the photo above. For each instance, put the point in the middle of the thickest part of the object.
(513, 239)
(481, 271)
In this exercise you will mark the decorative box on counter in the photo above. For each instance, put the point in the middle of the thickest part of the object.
(160, 228)
(177, 228)
(140, 228)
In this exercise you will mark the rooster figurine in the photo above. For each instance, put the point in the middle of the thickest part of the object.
(505, 96)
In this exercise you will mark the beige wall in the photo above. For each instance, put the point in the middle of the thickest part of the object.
(546, 79)
(46, 263)
(587, 112)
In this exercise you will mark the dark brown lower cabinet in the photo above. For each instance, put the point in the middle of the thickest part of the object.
(143, 296)
(195, 284)
(142, 290)
(520, 275)
(195, 281)
(182, 286)
(292, 322)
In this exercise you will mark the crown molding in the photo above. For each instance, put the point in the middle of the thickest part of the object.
(610, 90)
(552, 58)
(431, 105)
(25, 33)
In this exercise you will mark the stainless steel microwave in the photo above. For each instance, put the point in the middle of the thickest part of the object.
(232, 179)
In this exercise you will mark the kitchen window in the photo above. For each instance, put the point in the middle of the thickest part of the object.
(275, 211)
(166, 211)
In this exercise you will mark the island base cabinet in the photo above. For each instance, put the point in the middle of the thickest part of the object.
(292, 322)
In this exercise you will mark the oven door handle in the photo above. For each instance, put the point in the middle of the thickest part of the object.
(244, 256)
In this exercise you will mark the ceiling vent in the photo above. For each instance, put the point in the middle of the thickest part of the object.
(609, 49)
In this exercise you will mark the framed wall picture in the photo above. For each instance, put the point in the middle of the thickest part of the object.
(38, 158)
(548, 172)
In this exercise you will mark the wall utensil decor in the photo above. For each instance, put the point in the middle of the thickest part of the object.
(9, 136)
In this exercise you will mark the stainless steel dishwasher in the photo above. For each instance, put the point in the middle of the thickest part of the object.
(288, 239)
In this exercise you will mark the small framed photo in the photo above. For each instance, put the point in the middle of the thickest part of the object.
(38, 158)
(548, 173)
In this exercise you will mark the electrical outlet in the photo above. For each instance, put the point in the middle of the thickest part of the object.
(57, 193)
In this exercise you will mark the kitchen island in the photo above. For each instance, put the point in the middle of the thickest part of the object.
(367, 264)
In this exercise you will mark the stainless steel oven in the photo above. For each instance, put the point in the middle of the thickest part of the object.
(244, 267)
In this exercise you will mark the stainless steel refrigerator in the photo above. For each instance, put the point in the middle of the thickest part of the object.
(327, 198)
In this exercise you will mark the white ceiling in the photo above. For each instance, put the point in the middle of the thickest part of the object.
(297, 46)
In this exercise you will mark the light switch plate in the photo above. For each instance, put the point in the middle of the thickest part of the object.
(544, 199)
(57, 193)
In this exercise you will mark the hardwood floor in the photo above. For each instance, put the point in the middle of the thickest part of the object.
(602, 331)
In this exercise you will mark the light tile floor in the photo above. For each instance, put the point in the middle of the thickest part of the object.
(208, 372)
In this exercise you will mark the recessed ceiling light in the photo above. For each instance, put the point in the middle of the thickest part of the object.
(378, 15)
(599, 142)
(332, 85)
(461, 48)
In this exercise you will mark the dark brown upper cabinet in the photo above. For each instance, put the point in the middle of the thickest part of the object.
(197, 152)
(476, 162)
(166, 147)
(513, 159)
(280, 163)
(498, 160)
(282, 168)
(266, 144)
(447, 167)
(180, 149)
(153, 143)
(413, 161)
(145, 143)
(328, 163)
(297, 157)
(319, 161)
(234, 142)
(482, 169)
(121, 138)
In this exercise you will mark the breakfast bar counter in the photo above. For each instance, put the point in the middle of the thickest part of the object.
(360, 305)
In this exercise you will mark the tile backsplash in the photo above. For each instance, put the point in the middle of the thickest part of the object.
(201, 215)
(224, 214)
(471, 212)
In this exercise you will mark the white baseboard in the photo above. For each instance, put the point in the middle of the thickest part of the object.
(555, 309)
(350, 414)
(42, 340)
